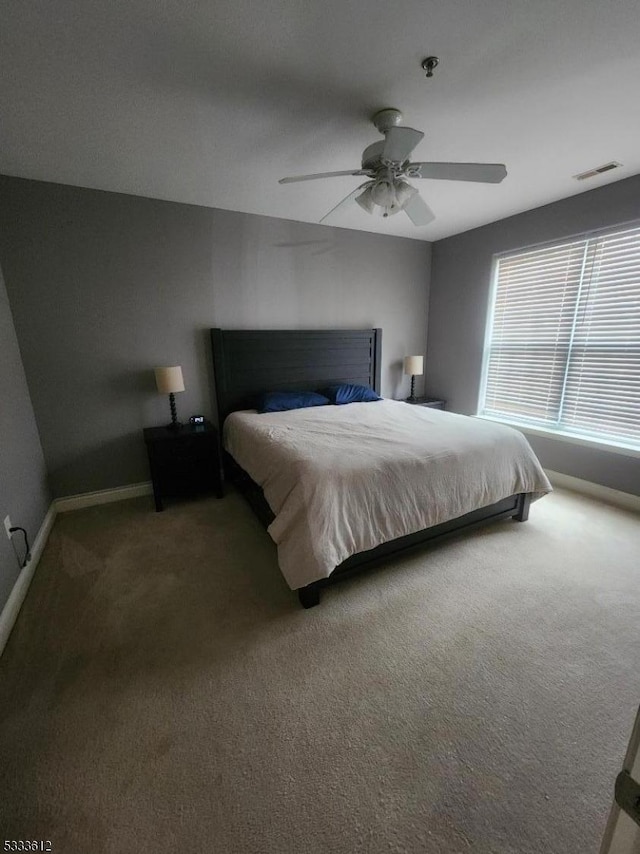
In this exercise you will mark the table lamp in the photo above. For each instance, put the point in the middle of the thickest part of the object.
(413, 365)
(169, 381)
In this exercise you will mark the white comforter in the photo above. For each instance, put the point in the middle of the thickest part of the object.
(343, 479)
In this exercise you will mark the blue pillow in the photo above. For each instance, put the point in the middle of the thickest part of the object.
(281, 401)
(348, 393)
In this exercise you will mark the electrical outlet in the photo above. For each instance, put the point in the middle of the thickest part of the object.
(7, 525)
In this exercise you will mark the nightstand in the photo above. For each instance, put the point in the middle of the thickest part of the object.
(431, 402)
(184, 461)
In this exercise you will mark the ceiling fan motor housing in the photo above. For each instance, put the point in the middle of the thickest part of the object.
(387, 118)
(372, 155)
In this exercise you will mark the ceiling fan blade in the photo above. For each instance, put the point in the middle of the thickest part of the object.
(399, 143)
(484, 173)
(295, 178)
(347, 200)
(418, 210)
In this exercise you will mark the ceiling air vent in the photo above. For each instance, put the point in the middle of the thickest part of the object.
(591, 173)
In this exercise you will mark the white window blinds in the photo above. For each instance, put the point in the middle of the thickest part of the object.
(564, 340)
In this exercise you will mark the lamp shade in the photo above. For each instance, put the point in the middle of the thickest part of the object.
(169, 380)
(414, 365)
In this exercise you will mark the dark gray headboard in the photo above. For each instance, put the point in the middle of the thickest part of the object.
(247, 362)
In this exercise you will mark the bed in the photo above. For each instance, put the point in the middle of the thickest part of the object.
(342, 487)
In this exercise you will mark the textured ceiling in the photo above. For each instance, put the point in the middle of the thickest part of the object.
(211, 102)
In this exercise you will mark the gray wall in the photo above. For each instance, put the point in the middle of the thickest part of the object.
(460, 283)
(24, 494)
(103, 287)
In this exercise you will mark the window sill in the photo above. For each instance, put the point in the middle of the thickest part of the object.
(596, 444)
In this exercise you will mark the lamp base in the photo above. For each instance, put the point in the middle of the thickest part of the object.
(175, 424)
(412, 395)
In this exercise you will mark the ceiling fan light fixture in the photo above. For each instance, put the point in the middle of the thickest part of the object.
(365, 201)
(382, 193)
(404, 192)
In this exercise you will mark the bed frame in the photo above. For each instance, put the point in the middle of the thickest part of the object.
(248, 362)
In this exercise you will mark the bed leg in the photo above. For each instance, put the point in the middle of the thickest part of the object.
(309, 596)
(522, 512)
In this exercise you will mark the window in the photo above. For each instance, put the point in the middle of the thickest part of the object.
(563, 345)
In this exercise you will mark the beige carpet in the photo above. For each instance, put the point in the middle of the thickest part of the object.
(162, 690)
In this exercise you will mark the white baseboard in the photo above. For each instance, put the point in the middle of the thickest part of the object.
(626, 500)
(10, 612)
(103, 496)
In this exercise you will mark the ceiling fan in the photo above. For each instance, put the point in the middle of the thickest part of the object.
(386, 165)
